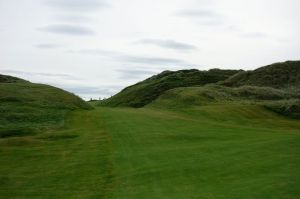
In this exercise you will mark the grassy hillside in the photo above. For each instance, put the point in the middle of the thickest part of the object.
(285, 76)
(279, 75)
(146, 91)
(275, 87)
(26, 107)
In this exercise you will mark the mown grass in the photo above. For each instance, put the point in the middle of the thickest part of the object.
(74, 162)
(215, 151)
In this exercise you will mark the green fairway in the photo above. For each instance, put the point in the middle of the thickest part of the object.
(204, 154)
(209, 152)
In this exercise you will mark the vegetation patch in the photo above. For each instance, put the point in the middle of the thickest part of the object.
(10, 79)
(287, 108)
(279, 75)
(281, 101)
(16, 132)
(58, 136)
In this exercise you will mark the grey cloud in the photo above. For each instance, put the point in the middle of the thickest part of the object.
(254, 35)
(135, 74)
(153, 60)
(122, 57)
(46, 75)
(77, 5)
(68, 30)
(203, 17)
(99, 52)
(47, 46)
(170, 44)
(64, 76)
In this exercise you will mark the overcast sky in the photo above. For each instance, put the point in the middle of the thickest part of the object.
(94, 48)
